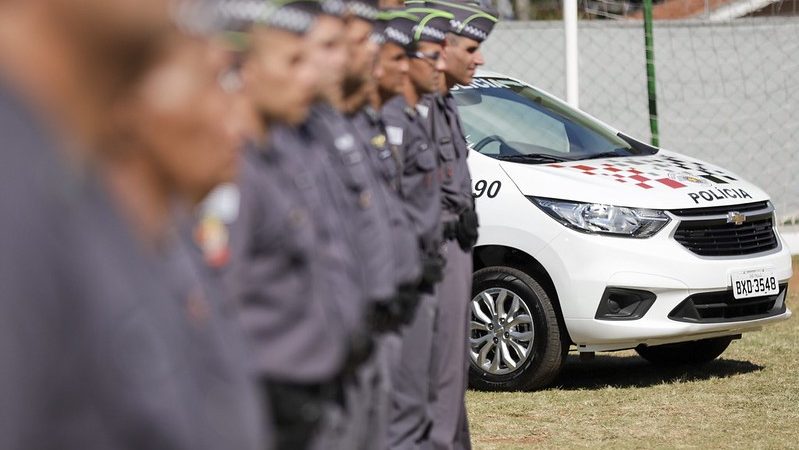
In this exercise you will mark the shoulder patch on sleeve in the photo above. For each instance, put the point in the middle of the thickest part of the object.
(394, 135)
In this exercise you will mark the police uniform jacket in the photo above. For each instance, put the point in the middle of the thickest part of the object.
(305, 166)
(385, 161)
(369, 230)
(420, 185)
(445, 128)
(273, 278)
(96, 350)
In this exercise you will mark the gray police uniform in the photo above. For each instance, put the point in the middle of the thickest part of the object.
(299, 348)
(367, 203)
(420, 191)
(95, 351)
(370, 229)
(450, 363)
(386, 161)
(218, 342)
(450, 430)
(420, 183)
(304, 164)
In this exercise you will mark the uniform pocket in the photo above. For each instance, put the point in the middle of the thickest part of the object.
(425, 158)
(446, 149)
(353, 170)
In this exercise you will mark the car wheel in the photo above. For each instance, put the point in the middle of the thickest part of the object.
(694, 352)
(515, 342)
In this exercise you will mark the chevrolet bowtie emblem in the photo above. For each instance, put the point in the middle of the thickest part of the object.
(735, 217)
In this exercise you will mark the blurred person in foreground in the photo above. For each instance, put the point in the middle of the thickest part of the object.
(294, 308)
(324, 274)
(100, 344)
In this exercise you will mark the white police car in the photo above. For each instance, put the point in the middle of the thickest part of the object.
(590, 238)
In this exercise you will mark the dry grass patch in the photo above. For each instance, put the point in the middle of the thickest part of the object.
(746, 398)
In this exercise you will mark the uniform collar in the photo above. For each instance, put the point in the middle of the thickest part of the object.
(372, 115)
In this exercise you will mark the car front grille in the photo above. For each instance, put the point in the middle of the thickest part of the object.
(708, 233)
(720, 210)
(715, 307)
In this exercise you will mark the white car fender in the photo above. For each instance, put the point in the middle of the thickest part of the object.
(503, 211)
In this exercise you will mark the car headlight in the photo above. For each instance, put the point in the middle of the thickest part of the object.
(604, 219)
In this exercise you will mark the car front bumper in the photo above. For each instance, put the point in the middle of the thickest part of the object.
(583, 265)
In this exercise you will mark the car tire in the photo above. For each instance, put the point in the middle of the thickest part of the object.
(694, 352)
(546, 348)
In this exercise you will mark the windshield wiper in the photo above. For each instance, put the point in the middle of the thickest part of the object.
(613, 154)
(533, 158)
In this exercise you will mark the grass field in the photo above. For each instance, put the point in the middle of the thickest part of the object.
(748, 398)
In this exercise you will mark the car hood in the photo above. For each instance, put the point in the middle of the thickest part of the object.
(666, 180)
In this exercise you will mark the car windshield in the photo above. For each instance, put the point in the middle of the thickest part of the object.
(512, 121)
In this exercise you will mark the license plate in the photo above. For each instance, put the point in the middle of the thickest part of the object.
(754, 283)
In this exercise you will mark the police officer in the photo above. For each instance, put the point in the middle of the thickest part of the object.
(389, 75)
(363, 199)
(386, 320)
(296, 331)
(189, 141)
(97, 331)
(348, 423)
(419, 33)
(470, 26)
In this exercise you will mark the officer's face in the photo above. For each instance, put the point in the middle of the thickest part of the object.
(392, 68)
(425, 68)
(362, 52)
(279, 76)
(183, 120)
(328, 51)
(462, 56)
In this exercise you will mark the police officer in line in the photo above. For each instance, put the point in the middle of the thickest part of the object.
(358, 417)
(365, 201)
(375, 221)
(331, 123)
(471, 25)
(388, 77)
(189, 140)
(94, 318)
(298, 315)
(419, 33)
(387, 80)
(315, 178)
